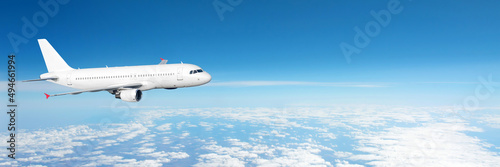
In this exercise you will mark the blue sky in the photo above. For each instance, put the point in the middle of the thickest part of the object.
(431, 53)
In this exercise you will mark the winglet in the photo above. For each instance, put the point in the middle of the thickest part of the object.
(46, 95)
(163, 61)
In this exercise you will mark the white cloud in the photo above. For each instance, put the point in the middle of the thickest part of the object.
(164, 127)
(304, 154)
(218, 160)
(184, 135)
(342, 154)
(492, 120)
(279, 134)
(229, 126)
(178, 155)
(145, 163)
(166, 140)
(59, 153)
(135, 130)
(327, 136)
(105, 160)
(295, 157)
(436, 144)
(144, 150)
(206, 125)
(180, 124)
(344, 163)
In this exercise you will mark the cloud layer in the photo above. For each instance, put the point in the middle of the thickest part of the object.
(295, 136)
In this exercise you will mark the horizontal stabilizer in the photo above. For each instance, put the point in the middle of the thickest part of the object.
(55, 78)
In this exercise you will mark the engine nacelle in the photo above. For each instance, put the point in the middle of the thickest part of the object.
(130, 95)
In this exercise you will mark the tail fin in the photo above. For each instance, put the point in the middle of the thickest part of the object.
(53, 60)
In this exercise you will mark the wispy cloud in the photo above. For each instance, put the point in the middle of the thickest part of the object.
(299, 83)
(460, 83)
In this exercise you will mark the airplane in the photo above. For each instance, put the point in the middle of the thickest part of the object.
(126, 83)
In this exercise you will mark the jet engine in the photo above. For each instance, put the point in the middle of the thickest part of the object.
(130, 95)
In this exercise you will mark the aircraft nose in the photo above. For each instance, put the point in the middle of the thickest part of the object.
(204, 78)
(207, 78)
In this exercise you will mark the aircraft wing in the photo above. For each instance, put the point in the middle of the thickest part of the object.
(113, 87)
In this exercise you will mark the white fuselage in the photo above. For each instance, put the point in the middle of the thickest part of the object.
(169, 76)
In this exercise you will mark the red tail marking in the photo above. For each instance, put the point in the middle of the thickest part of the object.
(162, 59)
(46, 95)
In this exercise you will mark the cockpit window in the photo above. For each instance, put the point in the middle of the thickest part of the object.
(195, 71)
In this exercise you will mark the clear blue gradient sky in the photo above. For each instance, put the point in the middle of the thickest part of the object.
(431, 53)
